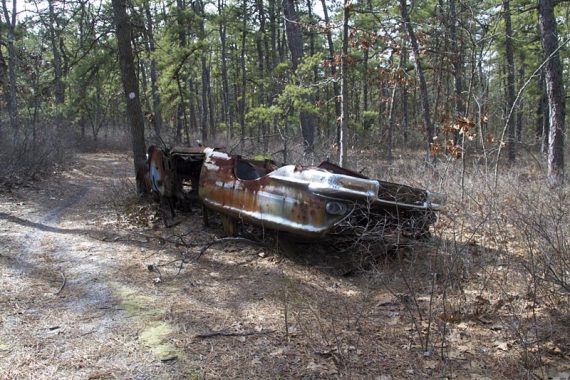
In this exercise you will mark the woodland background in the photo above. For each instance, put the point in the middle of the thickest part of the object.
(462, 97)
(444, 76)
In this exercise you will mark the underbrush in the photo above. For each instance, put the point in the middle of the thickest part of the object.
(497, 270)
(488, 295)
(32, 155)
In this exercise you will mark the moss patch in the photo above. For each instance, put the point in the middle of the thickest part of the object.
(155, 336)
(154, 333)
(134, 304)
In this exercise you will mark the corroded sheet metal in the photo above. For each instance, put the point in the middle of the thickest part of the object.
(156, 169)
(282, 199)
(308, 201)
(327, 183)
(396, 194)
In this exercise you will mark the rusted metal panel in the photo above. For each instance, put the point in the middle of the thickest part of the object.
(281, 199)
(308, 201)
(157, 171)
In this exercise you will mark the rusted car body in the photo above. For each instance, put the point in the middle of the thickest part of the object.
(313, 202)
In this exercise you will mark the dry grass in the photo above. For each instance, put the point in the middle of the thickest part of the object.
(33, 155)
(485, 298)
(475, 301)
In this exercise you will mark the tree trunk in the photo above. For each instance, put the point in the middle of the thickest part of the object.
(3, 78)
(404, 94)
(131, 89)
(424, 99)
(181, 106)
(336, 90)
(178, 123)
(343, 86)
(311, 28)
(273, 13)
(457, 61)
(542, 120)
(206, 124)
(12, 103)
(181, 118)
(366, 122)
(295, 43)
(81, 89)
(228, 109)
(511, 122)
(57, 69)
(365, 92)
(157, 118)
(554, 89)
(520, 113)
(243, 75)
(265, 95)
(193, 123)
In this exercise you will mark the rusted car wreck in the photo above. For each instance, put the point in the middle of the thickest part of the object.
(313, 202)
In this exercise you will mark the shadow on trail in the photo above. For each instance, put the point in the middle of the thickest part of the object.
(44, 227)
(94, 234)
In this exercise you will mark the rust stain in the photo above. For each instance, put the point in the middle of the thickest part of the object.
(308, 201)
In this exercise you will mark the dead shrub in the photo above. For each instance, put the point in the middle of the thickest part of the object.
(34, 153)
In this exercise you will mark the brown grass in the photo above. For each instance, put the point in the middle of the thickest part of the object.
(485, 298)
(477, 300)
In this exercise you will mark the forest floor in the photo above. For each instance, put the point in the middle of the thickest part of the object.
(92, 286)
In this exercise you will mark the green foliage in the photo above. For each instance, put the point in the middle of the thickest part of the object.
(369, 117)
(261, 157)
(306, 68)
(295, 97)
(273, 93)
(258, 115)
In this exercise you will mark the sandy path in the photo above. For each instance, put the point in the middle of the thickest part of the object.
(77, 300)
(62, 296)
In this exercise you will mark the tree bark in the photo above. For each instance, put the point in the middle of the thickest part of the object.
(206, 124)
(424, 99)
(554, 89)
(227, 107)
(131, 89)
(59, 92)
(511, 126)
(542, 113)
(311, 28)
(344, 86)
(295, 43)
(336, 90)
(3, 78)
(157, 119)
(12, 103)
(404, 94)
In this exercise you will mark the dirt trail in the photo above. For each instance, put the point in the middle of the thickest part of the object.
(63, 312)
(78, 301)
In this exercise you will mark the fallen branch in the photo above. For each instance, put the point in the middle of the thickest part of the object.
(225, 240)
(185, 259)
(225, 333)
(62, 284)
